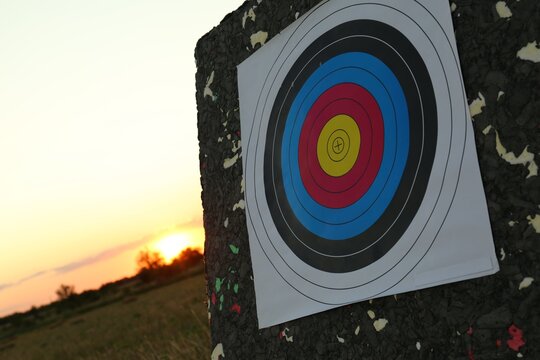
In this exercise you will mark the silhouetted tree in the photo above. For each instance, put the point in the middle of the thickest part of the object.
(149, 260)
(64, 292)
(187, 258)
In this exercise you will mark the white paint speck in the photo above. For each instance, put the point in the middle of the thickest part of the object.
(380, 324)
(503, 254)
(296, 15)
(219, 139)
(239, 205)
(503, 10)
(357, 330)
(228, 136)
(226, 222)
(207, 90)
(284, 334)
(237, 146)
(340, 339)
(476, 106)
(530, 52)
(525, 283)
(453, 7)
(371, 314)
(242, 185)
(418, 345)
(501, 93)
(512, 223)
(248, 15)
(258, 38)
(535, 222)
(217, 352)
(519, 355)
(487, 130)
(230, 162)
(525, 158)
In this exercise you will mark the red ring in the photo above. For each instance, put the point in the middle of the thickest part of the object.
(355, 101)
(360, 116)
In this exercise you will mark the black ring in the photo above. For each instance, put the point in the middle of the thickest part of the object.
(381, 41)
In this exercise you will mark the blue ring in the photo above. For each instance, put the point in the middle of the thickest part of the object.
(369, 72)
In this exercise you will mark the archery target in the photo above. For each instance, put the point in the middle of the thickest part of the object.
(355, 126)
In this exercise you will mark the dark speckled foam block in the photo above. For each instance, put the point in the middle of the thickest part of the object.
(496, 317)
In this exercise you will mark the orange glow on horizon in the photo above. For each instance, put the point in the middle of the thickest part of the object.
(171, 246)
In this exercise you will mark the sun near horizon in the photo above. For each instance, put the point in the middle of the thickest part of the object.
(172, 245)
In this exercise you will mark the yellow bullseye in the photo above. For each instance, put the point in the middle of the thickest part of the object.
(338, 145)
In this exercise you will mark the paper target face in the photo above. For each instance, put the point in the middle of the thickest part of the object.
(357, 134)
(352, 137)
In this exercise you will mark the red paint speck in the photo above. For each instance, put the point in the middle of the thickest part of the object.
(516, 342)
(238, 132)
(498, 342)
(281, 334)
(214, 298)
(236, 308)
(470, 331)
(470, 353)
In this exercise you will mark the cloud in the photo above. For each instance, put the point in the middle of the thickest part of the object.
(102, 256)
(33, 276)
(5, 286)
(23, 280)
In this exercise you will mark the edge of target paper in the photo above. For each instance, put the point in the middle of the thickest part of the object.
(455, 245)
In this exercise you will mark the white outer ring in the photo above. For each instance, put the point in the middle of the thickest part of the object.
(331, 288)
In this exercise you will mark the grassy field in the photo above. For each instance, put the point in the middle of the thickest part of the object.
(169, 322)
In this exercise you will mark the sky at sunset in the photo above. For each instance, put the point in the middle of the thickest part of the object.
(98, 138)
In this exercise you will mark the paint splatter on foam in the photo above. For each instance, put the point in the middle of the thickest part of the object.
(250, 14)
(217, 352)
(476, 106)
(230, 162)
(207, 91)
(525, 158)
(239, 205)
(283, 334)
(503, 10)
(530, 52)
(259, 37)
(525, 283)
(380, 324)
(236, 146)
(516, 341)
(535, 222)
(340, 339)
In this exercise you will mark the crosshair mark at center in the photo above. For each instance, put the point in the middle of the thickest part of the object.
(338, 145)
